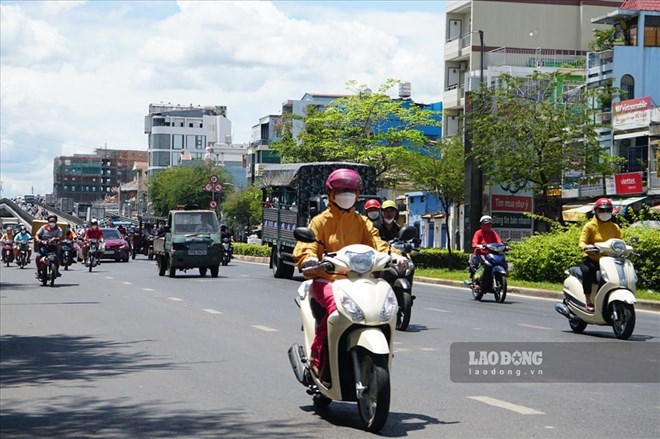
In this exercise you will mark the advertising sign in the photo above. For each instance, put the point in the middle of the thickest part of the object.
(629, 183)
(508, 209)
(633, 113)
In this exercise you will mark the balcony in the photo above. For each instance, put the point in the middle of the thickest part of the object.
(553, 58)
(452, 97)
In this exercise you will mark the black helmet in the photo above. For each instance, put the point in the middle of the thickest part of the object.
(53, 216)
(223, 227)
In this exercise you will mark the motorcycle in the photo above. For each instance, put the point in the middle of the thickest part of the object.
(23, 253)
(48, 266)
(150, 247)
(8, 252)
(495, 262)
(66, 253)
(226, 251)
(93, 254)
(360, 334)
(401, 279)
(613, 293)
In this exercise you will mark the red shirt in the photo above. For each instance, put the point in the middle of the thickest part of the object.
(484, 237)
(94, 234)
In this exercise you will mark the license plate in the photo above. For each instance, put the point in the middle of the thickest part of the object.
(196, 252)
(109, 252)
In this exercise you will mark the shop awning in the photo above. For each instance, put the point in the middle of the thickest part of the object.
(577, 213)
(620, 205)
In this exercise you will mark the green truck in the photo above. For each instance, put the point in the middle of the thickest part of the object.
(192, 240)
(292, 195)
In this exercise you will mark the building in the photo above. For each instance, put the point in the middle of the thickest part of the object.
(178, 132)
(485, 38)
(92, 177)
(259, 155)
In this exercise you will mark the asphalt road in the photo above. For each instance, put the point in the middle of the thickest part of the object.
(123, 353)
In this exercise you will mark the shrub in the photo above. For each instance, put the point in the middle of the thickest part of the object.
(259, 250)
(440, 258)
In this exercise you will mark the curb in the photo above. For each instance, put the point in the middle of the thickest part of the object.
(648, 305)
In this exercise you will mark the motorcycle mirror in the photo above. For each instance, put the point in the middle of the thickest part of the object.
(634, 239)
(304, 234)
(407, 233)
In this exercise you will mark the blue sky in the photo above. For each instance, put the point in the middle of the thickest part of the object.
(79, 75)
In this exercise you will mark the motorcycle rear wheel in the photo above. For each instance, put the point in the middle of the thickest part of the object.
(477, 294)
(577, 325)
(320, 401)
(374, 401)
(44, 276)
(53, 273)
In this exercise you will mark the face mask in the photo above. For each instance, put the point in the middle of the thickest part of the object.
(52, 225)
(389, 220)
(95, 227)
(372, 215)
(605, 216)
(345, 200)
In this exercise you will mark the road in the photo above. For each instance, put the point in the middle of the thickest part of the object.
(123, 353)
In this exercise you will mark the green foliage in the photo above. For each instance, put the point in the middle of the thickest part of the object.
(603, 39)
(368, 128)
(258, 250)
(648, 248)
(437, 257)
(243, 208)
(185, 185)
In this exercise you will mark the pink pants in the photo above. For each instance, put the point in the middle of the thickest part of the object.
(322, 293)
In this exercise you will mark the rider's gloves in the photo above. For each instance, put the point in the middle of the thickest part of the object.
(400, 263)
(309, 262)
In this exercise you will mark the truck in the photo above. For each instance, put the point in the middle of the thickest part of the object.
(65, 205)
(191, 240)
(292, 195)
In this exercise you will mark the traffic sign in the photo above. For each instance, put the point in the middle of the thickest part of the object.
(213, 179)
(218, 188)
(208, 187)
(213, 204)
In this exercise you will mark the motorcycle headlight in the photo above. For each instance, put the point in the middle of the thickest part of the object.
(361, 262)
(619, 247)
(351, 308)
(389, 307)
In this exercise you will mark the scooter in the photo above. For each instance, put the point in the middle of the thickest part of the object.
(613, 293)
(226, 251)
(48, 265)
(401, 279)
(360, 333)
(8, 252)
(495, 261)
(93, 254)
(22, 257)
(66, 253)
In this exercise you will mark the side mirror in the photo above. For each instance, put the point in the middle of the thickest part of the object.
(304, 234)
(407, 233)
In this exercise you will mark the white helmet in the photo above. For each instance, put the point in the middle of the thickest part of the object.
(485, 219)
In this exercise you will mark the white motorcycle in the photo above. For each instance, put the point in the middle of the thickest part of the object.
(613, 293)
(360, 333)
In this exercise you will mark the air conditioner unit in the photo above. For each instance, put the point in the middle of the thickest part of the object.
(462, 66)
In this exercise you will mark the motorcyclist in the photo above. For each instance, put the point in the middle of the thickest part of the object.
(600, 228)
(46, 233)
(337, 226)
(93, 232)
(225, 233)
(160, 231)
(485, 235)
(389, 229)
(8, 235)
(22, 237)
(373, 211)
(71, 236)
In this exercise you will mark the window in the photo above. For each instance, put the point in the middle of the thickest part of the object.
(177, 141)
(160, 158)
(190, 125)
(195, 142)
(652, 31)
(160, 141)
(628, 86)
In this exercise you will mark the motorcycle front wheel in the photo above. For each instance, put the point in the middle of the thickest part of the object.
(499, 287)
(624, 323)
(405, 309)
(44, 276)
(373, 396)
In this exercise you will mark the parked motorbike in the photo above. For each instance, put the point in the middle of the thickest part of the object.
(8, 252)
(66, 254)
(48, 266)
(23, 254)
(613, 293)
(360, 334)
(93, 254)
(401, 279)
(495, 262)
(227, 250)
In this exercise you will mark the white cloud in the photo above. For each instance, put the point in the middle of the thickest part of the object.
(78, 75)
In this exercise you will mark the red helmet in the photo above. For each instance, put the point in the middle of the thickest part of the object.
(344, 179)
(603, 204)
(371, 204)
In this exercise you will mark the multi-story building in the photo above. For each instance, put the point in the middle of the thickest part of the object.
(92, 177)
(259, 155)
(178, 133)
(486, 38)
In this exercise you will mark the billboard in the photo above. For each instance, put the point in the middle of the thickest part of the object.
(633, 113)
(508, 208)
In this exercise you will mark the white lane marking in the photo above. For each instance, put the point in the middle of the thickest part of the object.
(211, 311)
(127, 283)
(533, 326)
(506, 405)
(109, 277)
(264, 328)
(437, 310)
(148, 289)
(427, 349)
(176, 299)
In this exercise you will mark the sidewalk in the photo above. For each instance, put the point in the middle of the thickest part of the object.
(648, 305)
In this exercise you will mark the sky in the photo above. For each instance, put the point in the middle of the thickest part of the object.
(80, 75)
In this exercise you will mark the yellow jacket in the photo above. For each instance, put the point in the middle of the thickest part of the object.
(598, 231)
(337, 229)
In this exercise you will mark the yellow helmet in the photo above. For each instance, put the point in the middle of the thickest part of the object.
(389, 203)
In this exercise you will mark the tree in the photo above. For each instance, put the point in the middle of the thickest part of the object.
(368, 128)
(440, 170)
(531, 130)
(171, 187)
(243, 208)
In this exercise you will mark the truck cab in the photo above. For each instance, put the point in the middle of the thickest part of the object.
(191, 240)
